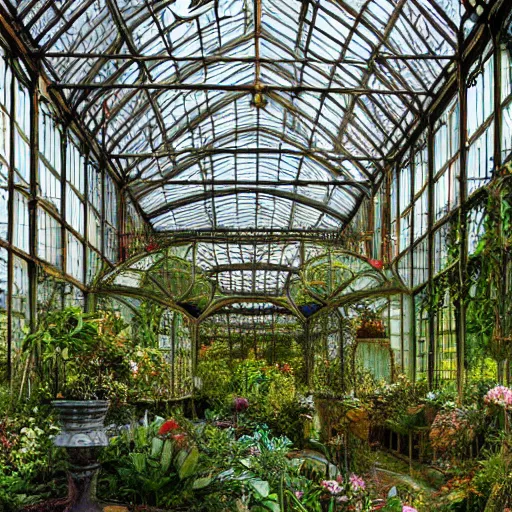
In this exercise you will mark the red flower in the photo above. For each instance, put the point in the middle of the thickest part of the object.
(240, 404)
(151, 246)
(286, 368)
(378, 264)
(168, 426)
(180, 440)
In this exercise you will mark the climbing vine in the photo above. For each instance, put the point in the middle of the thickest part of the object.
(490, 301)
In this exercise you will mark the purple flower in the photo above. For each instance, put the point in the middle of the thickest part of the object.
(331, 486)
(240, 404)
(299, 494)
(356, 482)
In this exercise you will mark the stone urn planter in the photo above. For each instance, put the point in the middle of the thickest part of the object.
(83, 435)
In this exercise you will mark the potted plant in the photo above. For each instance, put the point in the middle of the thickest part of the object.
(80, 364)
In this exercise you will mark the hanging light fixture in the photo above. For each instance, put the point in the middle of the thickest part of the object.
(258, 98)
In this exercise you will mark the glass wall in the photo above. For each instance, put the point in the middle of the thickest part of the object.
(58, 209)
(425, 217)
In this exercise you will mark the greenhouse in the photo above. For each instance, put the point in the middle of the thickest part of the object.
(255, 255)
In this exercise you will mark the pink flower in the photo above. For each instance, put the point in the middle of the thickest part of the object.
(299, 494)
(356, 482)
(331, 486)
(406, 508)
(499, 395)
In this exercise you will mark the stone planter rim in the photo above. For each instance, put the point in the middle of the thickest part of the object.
(76, 403)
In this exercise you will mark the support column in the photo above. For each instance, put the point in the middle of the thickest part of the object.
(173, 328)
(341, 326)
(432, 317)
(10, 236)
(308, 354)
(461, 303)
(194, 341)
(32, 209)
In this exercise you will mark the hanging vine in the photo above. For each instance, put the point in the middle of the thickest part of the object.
(490, 300)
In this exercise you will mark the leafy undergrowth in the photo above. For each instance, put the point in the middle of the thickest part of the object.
(412, 483)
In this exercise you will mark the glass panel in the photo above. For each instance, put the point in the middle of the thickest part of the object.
(20, 222)
(422, 336)
(480, 95)
(405, 231)
(94, 265)
(94, 229)
(74, 210)
(49, 238)
(20, 316)
(49, 294)
(3, 312)
(441, 247)
(49, 157)
(421, 215)
(75, 258)
(445, 350)
(481, 160)
(420, 168)
(476, 228)
(73, 296)
(420, 263)
(4, 200)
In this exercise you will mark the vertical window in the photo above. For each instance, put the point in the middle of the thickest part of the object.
(393, 214)
(404, 207)
(20, 222)
(75, 186)
(49, 238)
(445, 350)
(110, 225)
(446, 161)
(3, 312)
(475, 228)
(20, 302)
(422, 335)
(441, 246)
(480, 124)
(49, 294)
(420, 263)
(506, 104)
(75, 257)
(5, 141)
(49, 166)
(95, 198)
(21, 133)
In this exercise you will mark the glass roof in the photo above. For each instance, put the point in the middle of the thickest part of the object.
(242, 115)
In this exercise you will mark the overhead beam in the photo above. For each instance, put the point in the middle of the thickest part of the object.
(221, 58)
(272, 267)
(237, 151)
(196, 198)
(363, 186)
(250, 88)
